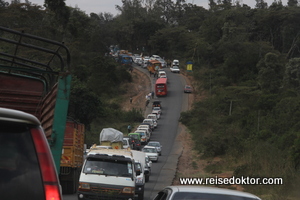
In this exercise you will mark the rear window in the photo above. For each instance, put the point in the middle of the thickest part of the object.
(19, 168)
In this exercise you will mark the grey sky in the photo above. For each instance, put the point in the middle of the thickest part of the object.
(98, 6)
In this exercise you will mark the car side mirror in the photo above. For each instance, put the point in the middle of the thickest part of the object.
(138, 172)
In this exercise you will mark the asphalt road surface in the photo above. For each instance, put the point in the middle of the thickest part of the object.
(164, 170)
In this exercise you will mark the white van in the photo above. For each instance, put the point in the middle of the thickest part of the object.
(140, 163)
(109, 170)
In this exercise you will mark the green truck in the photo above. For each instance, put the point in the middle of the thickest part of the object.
(35, 78)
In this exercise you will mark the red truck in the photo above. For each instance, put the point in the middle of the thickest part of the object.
(35, 78)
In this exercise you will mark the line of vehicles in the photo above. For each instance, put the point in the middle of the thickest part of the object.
(41, 148)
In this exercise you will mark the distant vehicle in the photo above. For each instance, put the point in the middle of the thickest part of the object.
(127, 143)
(135, 136)
(155, 57)
(125, 59)
(157, 145)
(200, 192)
(136, 143)
(162, 73)
(147, 168)
(25, 157)
(187, 89)
(151, 122)
(151, 152)
(175, 69)
(138, 60)
(144, 134)
(153, 66)
(157, 109)
(175, 63)
(163, 62)
(156, 113)
(161, 87)
(154, 118)
(156, 103)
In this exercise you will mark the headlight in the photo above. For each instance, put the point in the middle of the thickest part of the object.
(128, 190)
(84, 186)
(139, 180)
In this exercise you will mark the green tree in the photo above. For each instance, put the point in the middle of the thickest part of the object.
(292, 74)
(270, 73)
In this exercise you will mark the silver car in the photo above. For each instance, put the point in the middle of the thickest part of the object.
(199, 192)
(157, 145)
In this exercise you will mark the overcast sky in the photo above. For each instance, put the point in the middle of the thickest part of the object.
(98, 6)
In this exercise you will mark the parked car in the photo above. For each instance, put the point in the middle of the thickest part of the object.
(151, 152)
(25, 157)
(201, 192)
(175, 69)
(157, 145)
(187, 89)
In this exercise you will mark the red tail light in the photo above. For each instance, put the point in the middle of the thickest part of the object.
(49, 176)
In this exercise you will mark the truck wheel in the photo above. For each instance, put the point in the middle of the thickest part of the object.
(141, 196)
(147, 178)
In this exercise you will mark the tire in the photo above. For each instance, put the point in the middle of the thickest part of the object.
(141, 196)
(147, 178)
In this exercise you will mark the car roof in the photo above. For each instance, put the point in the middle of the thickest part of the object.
(151, 147)
(18, 116)
(153, 142)
(210, 190)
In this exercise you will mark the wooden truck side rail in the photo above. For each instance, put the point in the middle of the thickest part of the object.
(35, 78)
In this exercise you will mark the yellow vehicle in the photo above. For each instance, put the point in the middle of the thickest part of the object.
(153, 66)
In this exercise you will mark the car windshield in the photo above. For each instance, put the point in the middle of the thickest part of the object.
(206, 196)
(125, 142)
(156, 108)
(108, 167)
(134, 136)
(142, 133)
(154, 144)
(150, 150)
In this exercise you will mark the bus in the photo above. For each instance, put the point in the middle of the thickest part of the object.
(161, 87)
(153, 65)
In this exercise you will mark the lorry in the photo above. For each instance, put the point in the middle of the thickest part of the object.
(111, 137)
(35, 78)
(108, 174)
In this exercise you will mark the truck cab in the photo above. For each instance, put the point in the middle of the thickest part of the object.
(108, 174)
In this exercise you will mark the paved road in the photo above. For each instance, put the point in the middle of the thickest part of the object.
(172, 104)
(164, 170)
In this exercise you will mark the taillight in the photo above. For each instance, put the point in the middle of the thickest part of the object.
(49, 176)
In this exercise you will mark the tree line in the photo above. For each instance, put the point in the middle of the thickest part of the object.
(245, 62)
